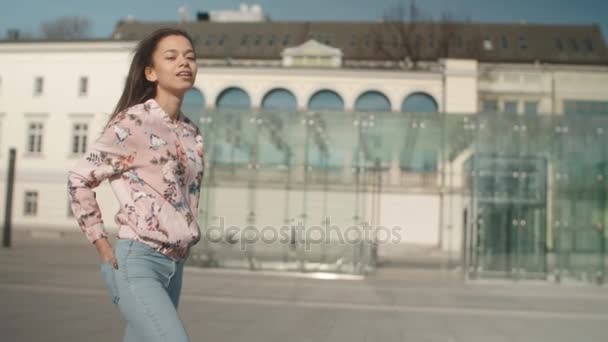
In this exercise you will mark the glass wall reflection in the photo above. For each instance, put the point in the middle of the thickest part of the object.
(531, 190)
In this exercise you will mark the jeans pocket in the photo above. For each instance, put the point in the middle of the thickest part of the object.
(109, 278)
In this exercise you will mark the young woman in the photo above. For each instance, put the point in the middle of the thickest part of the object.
(152, 156)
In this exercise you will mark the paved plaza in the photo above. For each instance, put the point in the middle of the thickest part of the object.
(51, 290)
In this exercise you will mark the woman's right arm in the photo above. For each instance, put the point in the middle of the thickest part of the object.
(113, 153)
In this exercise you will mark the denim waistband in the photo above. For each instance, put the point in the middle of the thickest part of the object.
(131, 243)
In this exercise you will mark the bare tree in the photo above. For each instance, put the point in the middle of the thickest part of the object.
(455, 34)
(17, 34)
(66, 28)
(399, 37)
(408, 34)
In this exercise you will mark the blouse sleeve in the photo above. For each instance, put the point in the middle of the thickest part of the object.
(199, 177)
(113, 153)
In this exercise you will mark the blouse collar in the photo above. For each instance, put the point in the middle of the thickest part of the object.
(157, 109)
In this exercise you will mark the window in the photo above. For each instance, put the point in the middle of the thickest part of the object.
(258, 39)
(209, 40)
(419, 102)
(30, 207)
(510, 107)
(531, 107)
(271, 40)
(574, 44)
(83, 86)
(585, 107)
(38, 86)
(353, 40)
(589, 45)
(559, 44)
(286, 39)
(312, 61)
(79, 138)
(489, 106)
(459, 41)
(221, 40)
(244, 39)
(372, 101)
(418, 41)
(505, 42)
(523, 44)
(34, 137)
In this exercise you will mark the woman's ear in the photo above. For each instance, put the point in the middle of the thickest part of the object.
(150, 74)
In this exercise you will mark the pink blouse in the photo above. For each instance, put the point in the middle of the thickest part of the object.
(155, 167)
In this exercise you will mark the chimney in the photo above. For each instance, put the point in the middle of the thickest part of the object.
(183, 13)
(202, 16)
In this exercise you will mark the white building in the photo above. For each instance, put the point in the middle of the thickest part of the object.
(56, 96)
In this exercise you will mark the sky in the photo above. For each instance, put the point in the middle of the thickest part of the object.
(27, 15)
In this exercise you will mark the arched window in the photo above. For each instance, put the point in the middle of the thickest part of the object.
(372, 101)
(233, 98)
(194, 105)
(279, 99)
(419, 103)
(326, 100)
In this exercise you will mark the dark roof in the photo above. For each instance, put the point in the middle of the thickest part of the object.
(515, 43)
(52, 41)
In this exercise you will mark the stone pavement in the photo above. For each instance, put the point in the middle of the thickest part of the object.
(51, 290)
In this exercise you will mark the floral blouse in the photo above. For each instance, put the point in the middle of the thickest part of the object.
(155, 167)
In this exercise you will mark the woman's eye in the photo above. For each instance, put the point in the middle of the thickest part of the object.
(191, 58)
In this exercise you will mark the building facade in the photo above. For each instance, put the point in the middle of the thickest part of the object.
(395, 112)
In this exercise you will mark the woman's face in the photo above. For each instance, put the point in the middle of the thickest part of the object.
(173, 65)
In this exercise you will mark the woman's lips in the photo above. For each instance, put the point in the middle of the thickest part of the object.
(185, 74)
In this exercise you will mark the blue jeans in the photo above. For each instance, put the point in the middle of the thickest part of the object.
(146, 288)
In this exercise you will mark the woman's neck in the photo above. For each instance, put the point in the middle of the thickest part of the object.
(169, 103)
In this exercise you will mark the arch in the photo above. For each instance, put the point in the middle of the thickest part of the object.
(419, 102)
(372, 101)
(326, 100)
(233, 98)
(279, 99)
(193, 105)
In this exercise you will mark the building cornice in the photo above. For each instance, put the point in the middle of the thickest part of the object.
(66, 46)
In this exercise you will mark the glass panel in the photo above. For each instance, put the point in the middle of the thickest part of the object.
(289, 190)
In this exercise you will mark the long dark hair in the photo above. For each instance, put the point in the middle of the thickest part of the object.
(137, 88)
